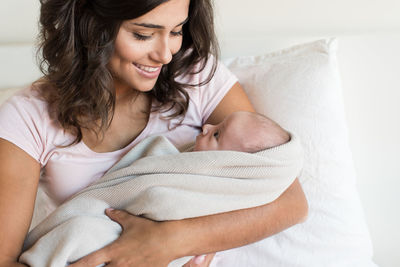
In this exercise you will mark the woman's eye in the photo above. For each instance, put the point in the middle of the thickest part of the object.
(216, 135)
(179, 33)
(141, 37)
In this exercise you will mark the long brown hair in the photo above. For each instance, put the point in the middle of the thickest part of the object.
(76, 42)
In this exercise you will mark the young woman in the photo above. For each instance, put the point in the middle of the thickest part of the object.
(115, 72)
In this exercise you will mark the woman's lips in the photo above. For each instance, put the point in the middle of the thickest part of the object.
(147, 71)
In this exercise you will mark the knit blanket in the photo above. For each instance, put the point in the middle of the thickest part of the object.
(157, 181)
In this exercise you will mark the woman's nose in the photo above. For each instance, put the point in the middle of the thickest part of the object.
(162, 52)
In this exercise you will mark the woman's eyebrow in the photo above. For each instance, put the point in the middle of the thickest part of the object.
(154, 26)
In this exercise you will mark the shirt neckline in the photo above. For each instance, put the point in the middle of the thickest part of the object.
(141, 136)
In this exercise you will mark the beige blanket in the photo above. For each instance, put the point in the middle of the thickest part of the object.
(156, 181)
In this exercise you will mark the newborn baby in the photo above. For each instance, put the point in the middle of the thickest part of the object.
(242, 131)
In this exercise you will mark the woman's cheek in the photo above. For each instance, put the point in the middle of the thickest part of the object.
(176, 45)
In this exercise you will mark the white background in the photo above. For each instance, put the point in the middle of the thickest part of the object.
(369, 43)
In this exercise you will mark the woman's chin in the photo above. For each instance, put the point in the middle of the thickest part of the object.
(143, 87)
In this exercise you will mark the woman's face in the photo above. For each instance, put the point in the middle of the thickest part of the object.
(144, 44)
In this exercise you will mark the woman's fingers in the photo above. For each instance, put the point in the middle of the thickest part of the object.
(92, 260)
(99, 257)
(140, 244)
(200, 261)
(208, 260)
(120, 216)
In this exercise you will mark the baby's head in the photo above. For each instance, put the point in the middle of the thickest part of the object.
(242, 131)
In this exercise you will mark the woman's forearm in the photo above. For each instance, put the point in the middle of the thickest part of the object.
(224, 231)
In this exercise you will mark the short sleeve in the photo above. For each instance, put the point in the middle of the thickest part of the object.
(205, 98)
(22, 123)
(213, 92)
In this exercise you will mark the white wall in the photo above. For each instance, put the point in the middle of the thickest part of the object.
(18, 20)
(18, 28)
(290, 16)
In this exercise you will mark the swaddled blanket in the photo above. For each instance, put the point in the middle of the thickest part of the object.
(156, 181)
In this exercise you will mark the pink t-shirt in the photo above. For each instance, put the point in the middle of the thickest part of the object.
(24, 121)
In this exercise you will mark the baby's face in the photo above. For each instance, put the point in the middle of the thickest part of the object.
(230, 134)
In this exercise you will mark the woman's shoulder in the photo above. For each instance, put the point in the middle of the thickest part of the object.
(212, 82)
(29, 100)
(201, 70)
(207, 74)
(26, 111)
(24, 121)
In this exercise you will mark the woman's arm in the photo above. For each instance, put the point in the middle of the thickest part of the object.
(237, 228)
(235, 100)
(19, 176)
(147, 243)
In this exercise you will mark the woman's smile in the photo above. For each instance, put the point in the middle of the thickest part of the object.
(147, 71)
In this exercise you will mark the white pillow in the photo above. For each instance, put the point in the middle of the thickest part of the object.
(300, 88)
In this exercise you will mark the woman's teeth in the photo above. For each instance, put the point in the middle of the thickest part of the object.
(148, 69)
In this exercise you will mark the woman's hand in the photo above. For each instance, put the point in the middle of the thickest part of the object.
(143, 242)
(200, 261)
(140, 235)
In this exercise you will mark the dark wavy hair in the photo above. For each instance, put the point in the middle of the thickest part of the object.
(76, 42)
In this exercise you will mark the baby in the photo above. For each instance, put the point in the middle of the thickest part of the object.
(242, 131)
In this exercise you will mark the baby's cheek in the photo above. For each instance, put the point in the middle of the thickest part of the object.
(202, 144)
(197, 144)
(199, 147)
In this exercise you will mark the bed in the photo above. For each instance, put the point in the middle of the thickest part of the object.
(328, 70)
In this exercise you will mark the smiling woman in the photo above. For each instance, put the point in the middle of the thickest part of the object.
(142, 48)
(114, 73)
